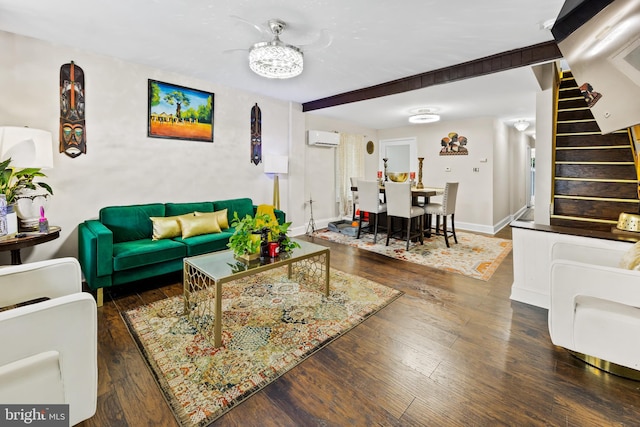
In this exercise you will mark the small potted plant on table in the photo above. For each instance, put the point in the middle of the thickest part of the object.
(245, 241)
(14, 182)
(279, 234)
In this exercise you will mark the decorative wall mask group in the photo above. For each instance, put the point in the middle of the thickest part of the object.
(73, 134)
(256, 134)
(73, 140)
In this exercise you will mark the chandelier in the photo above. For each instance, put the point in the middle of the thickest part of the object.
(275, 59)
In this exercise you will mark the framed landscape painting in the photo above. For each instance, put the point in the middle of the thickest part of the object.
(179, 112)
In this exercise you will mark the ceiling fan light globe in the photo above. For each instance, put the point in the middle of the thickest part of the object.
(276, 60)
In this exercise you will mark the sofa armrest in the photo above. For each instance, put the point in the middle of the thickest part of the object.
(67, 326)
(95, 251)
(42, 279)
(280, 216)
(572, 281)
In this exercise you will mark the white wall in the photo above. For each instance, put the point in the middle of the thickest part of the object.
(502, 173)
(544, 156)
(519, 170)
(476, 195)
(320, 166)
(124, 166)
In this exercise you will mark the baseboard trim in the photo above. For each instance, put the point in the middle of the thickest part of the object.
(320, 224)
(529, 297)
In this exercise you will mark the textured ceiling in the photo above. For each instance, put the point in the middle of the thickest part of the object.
(372, 42)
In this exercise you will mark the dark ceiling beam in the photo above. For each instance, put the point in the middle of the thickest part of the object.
(574, 14)
(530, 55)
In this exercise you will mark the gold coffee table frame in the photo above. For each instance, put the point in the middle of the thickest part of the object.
(205, 274)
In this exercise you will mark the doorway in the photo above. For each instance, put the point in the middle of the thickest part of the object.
(402, 155)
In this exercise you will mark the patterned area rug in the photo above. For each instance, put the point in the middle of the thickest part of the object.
(474, 255)
(270, 324)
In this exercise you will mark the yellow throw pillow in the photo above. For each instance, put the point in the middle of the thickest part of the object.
(220, 216)
(631, 259)
(197, 225)
(268, 210)
(165, 227)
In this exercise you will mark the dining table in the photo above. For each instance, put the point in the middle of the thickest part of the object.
(416, 192)
(426, 192)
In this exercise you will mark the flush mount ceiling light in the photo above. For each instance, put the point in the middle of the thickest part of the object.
(424, 116)
(521, 125)
(275, 59)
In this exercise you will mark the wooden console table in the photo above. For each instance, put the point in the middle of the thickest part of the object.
(14, 244)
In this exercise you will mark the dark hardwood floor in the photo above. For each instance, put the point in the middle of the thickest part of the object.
(451, 351)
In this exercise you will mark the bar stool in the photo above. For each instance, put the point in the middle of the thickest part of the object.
(399, 204)
(369, 196)
(444, 209)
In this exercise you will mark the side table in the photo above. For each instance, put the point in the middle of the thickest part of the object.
(14, 244)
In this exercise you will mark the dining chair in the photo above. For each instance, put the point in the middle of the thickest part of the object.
(354, 195)
(400, 205)
(369, 197)
(443, 210)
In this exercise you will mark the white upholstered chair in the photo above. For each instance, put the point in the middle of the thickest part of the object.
(49, 347)
(443, 210)
(595, 307)
(369, 196)
(399, 205)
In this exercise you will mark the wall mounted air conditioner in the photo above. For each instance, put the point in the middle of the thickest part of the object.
(321, 138)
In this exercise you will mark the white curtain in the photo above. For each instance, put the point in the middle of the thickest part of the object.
(350, 163)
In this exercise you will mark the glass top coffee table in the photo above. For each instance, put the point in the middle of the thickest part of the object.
(205, 274)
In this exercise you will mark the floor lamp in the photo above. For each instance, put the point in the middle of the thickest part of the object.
(276, 165)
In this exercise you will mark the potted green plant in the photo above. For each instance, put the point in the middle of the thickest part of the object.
(245, 241)
(279, 234)
(13, 181)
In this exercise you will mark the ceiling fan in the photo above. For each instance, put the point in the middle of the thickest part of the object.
(275, 59)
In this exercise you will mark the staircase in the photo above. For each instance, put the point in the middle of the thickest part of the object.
(594, 174)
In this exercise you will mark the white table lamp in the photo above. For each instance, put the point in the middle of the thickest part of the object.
(27, 147)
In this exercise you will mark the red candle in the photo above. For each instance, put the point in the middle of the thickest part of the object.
(379, 174)
(412, 175)
(274, 249)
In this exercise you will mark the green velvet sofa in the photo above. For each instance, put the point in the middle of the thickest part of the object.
(118, 248)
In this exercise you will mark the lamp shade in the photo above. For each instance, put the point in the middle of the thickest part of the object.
(27, 147)
(276, 164)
